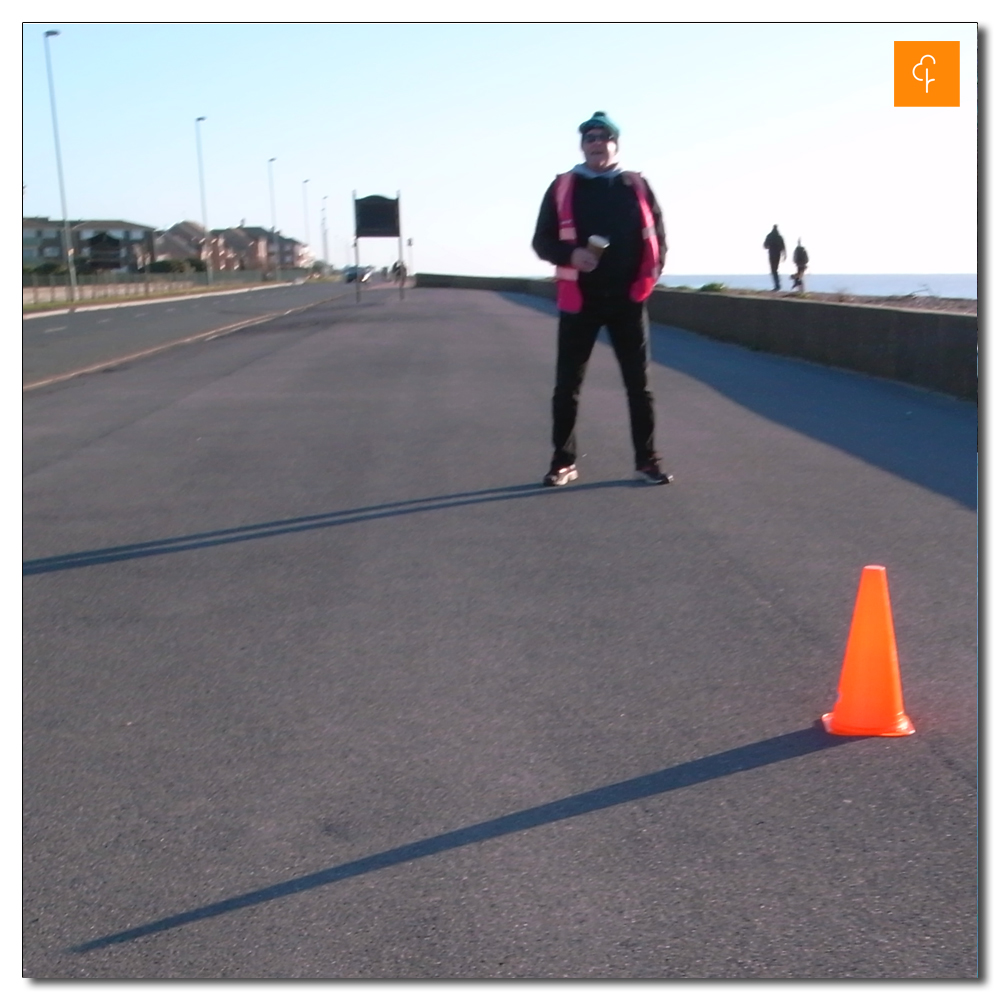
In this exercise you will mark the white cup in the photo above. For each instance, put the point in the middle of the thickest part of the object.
(597, 245)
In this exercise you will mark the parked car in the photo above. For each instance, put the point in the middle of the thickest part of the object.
(353, 273)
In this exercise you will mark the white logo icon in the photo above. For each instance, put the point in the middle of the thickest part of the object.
(926, 79)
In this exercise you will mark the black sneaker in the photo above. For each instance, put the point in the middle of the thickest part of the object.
(560, 476)
(652, 474)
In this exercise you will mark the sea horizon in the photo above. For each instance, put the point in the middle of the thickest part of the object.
(944, 286)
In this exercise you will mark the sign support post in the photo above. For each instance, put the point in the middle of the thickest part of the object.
(399, 255)
(377, 215)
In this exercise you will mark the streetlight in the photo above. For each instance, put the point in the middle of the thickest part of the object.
(274, 224)
(326, 248)
(207, 251)
(67, 235)
(305, 209)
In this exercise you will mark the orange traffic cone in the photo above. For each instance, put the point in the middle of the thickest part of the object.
(870, 696)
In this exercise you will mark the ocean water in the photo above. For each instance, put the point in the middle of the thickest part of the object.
(944, 286)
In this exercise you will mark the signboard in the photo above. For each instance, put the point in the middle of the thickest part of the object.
(376, 216)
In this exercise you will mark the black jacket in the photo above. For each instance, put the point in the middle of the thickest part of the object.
(774, 244)
(602, 206)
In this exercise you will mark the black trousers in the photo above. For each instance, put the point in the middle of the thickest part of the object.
(775, 259)
(627, 323)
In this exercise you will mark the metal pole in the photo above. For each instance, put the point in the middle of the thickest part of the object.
(399, 234)
(326, 246)
(305, 210)
(207, 248)
(357, 263)
(274, 223)
(67, 235)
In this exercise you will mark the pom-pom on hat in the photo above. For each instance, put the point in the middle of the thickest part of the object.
(600, 119)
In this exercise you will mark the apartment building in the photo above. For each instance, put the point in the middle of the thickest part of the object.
(41, 241)
(238, 248)
(100, 244)
(117, 245)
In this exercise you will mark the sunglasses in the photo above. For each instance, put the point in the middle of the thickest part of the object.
(597, 137)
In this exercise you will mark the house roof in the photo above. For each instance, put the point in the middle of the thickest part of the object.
(256, 232)
(186, 234)
(110, 224)
(170, 246)
(237, 239)
(188, 230)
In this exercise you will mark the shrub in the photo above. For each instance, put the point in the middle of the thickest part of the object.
(49, 267)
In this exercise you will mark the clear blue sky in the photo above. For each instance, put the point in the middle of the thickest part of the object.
(736, 126)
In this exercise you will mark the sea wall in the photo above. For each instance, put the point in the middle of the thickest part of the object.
(932, 349)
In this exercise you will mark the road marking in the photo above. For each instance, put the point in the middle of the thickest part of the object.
(208, 335)
(156, 301)
(54, 329)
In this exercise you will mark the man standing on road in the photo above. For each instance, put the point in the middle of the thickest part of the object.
(601, 227)
(774, 244)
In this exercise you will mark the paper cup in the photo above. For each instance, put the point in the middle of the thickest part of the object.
(597, 245)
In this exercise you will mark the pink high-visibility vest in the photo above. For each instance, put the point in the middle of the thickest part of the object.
(568, 296)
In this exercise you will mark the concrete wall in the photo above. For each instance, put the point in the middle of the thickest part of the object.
(932, 349)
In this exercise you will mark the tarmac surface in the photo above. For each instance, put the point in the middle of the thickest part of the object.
(58, 342)
(319, 683)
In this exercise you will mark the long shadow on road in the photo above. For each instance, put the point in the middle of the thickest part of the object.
(745, 758)
(312, 522)
(924, 437)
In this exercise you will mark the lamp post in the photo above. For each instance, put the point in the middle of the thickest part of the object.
(207, 250)
(326, 247)
(305, 210)
(67, 235)
(274, 224)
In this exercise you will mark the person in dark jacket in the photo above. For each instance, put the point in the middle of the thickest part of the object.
(801, 261)
(612, 287)
(774, 244)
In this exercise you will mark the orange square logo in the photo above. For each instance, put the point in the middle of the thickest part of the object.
(925, 75)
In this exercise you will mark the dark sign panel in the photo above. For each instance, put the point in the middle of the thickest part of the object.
(376, 216)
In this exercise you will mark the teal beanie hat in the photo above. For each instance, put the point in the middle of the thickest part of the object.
(600, 119)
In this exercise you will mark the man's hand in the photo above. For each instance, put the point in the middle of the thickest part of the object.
(582, 259)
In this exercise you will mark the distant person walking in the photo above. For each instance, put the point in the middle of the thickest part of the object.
(774, 244)
(801, 261)
(601, 227)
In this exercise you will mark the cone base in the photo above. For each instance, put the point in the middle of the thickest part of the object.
(903, 727)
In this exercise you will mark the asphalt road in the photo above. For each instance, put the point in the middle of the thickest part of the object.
(60, 342)
(319, 683)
